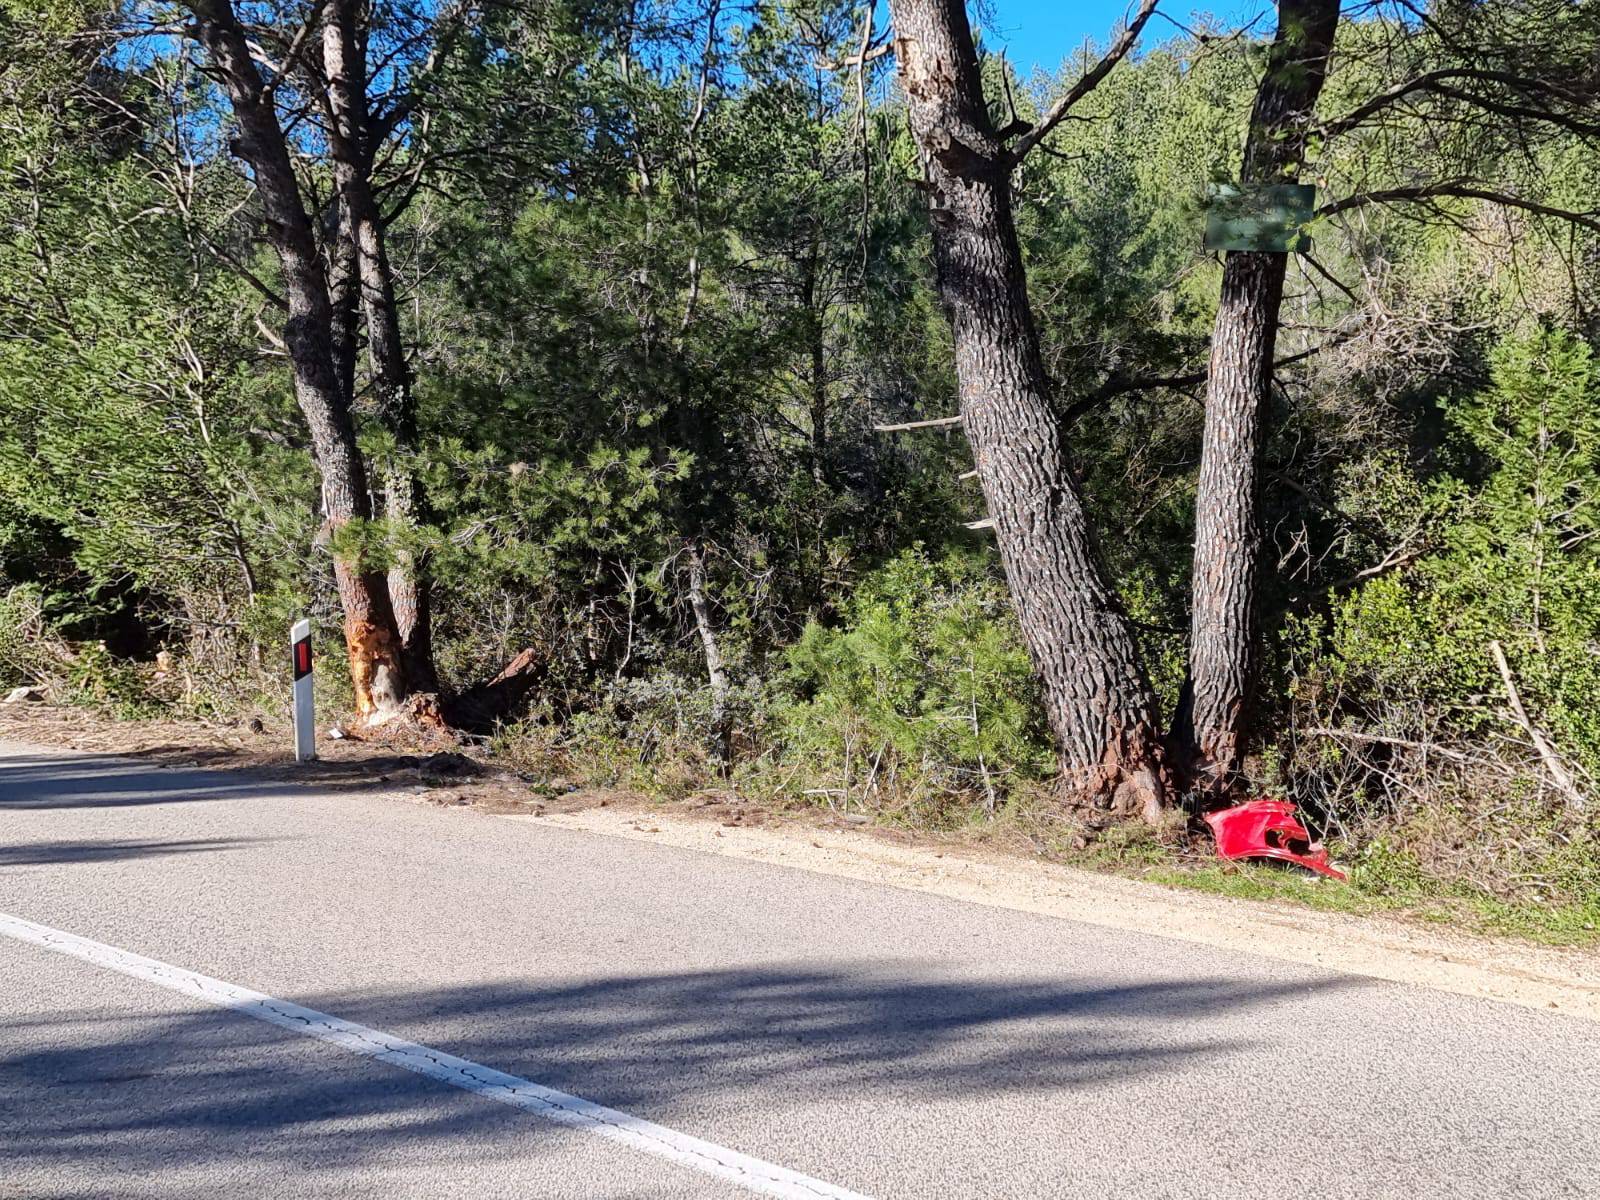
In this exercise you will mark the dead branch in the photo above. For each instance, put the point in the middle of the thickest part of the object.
(936, 423)
(1547, 752)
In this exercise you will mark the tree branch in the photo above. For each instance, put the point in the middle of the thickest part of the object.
(936, 423)
(1086, 84)
(1547, 753)
(1121, 386)
(1589, 220)
(1432, 81)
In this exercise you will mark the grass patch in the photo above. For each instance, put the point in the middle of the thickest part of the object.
(1377, 889)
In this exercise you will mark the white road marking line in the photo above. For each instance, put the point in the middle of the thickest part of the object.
(572, 1111)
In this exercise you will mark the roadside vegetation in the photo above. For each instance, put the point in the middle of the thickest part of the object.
(577, 367)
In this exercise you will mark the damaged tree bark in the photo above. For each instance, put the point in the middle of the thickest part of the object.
(1099, 702)
(405, 502)
(1211, 727)
(376, 671)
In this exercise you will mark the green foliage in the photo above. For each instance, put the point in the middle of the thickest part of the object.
(121, 688)
(1448, 800)
(922, 691)
(659, 281)
(1518, 562)
(30, 652)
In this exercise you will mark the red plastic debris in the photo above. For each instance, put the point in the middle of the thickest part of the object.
(1268, 829)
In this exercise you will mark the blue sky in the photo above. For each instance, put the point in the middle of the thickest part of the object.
(1040, 33)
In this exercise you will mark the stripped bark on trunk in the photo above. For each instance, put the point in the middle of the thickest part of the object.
(404, 500)
(1212, 725)
(376, 672)
(1099, 702)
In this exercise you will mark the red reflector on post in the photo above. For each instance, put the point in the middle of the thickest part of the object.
(302, 658)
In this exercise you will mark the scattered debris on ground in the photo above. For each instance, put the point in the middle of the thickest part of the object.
(1269, 829)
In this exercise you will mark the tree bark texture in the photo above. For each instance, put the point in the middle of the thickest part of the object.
(1099, 702)
(308, 334)
(1212, 725)
(344, 295)
(404, 499)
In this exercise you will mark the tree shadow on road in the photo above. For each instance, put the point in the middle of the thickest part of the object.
(61, 853)
(211, 1087)
(113, 781)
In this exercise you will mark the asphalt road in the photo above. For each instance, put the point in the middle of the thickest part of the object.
(890, 1043)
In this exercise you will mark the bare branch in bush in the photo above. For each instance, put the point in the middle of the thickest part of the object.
(1547, 752)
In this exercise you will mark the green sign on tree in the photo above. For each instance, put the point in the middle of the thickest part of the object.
(1259, 218)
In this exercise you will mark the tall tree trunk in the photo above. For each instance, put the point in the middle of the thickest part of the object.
(370, 634)
(817, 351)
(1212, 724)
(405, 501)
(1100, 704)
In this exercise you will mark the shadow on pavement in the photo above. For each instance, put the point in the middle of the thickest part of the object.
(116, 850)
(210, 1087)
(113, 781)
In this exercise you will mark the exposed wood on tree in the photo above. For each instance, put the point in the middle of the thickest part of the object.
(373, 641)
(405, 501)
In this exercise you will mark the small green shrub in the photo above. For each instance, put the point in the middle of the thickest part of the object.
(923, 695)
(99, 679)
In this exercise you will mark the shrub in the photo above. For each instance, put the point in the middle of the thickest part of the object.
(1432, 764)
(924, 695)
(30, 649)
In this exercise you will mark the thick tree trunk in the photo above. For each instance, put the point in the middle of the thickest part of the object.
(1212, 725)
(405, 501)
(370, 634)
(1099, 701)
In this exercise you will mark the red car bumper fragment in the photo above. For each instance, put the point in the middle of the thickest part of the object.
(1268, 829)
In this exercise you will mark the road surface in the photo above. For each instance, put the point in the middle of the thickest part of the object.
(748, 1028)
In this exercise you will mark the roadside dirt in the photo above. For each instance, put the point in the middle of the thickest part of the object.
(435, 770)
(1547, 978)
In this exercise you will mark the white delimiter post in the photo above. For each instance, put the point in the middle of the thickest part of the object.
(305, 719)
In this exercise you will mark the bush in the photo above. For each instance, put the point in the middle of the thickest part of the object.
(924, 696)
(1431, 765)
(653, 735)
(30, 649)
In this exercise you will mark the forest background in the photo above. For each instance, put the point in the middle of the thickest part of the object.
(618, 298)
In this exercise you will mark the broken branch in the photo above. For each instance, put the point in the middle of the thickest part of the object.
(936, 423)
(1547, 752)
